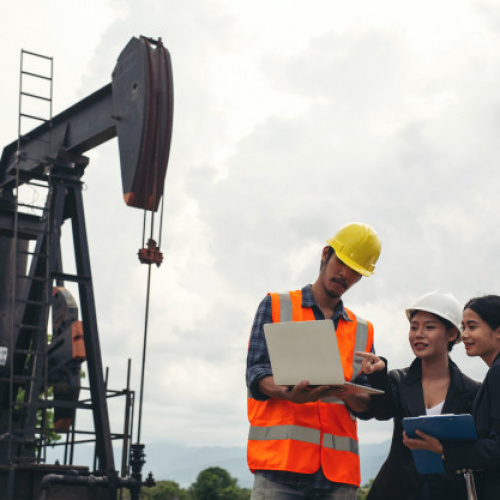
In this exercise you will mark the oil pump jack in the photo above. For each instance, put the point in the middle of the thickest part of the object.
(40, 372)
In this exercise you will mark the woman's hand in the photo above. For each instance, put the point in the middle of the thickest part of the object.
(371, 363)
(423, 442)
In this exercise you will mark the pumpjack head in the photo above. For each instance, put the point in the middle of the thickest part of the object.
(143, 108)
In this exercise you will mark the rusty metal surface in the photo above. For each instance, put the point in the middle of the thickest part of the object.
(64, 365)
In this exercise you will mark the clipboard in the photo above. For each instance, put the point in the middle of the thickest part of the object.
(443, 427)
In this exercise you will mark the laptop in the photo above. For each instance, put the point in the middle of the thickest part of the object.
(308, 350)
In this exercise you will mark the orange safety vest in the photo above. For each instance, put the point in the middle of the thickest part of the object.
(302, 437)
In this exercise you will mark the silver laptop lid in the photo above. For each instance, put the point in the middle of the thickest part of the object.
(304, 350)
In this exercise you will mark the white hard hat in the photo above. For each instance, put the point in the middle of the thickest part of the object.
(441, 303)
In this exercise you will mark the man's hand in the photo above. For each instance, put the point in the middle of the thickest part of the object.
(371, 363)
(423, 442)
(300, 393)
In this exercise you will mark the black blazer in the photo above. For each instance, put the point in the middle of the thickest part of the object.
(398, 478)
(483, 454)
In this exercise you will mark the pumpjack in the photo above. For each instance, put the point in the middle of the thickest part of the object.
(40, 372)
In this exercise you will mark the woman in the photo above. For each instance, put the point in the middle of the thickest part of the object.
(481, 336)
(432, 384)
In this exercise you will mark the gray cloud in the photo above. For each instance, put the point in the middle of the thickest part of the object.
(282, 135)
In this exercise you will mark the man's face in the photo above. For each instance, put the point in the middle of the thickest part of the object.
(337, 278)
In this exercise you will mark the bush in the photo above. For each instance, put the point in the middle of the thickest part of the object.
(213, 483)
(363, 490)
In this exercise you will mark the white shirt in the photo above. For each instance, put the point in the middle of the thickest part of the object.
(435, 410)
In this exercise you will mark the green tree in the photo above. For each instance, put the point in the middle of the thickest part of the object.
(363, 490)
(164, 490)
(213, 483)
(216, 483)
(51, 436)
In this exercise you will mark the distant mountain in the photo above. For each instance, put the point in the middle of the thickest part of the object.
(182, 464)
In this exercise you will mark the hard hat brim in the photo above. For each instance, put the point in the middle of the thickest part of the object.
(351, 264)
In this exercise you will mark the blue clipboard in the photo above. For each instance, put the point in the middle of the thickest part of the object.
(442, 427)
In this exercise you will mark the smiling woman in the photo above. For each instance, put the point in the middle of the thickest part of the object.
(481, 336)
(432, 385)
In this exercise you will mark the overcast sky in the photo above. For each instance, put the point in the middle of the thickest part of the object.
(291, 119)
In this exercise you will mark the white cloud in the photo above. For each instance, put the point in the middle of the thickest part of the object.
(291, 119)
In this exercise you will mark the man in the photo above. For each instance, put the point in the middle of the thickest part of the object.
(303, 442)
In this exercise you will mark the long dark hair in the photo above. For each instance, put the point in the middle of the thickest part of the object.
(487, 308)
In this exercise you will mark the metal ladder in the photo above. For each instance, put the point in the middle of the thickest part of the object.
(31, 291)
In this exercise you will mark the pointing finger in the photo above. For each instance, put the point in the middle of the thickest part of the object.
(363, 354)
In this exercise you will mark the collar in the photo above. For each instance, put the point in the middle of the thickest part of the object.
(415, 370)
(308, 301)
(496, 360)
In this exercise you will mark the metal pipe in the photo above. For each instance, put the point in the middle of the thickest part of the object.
(74, 479)
(144, 355)
(470, 485)
(126, 425)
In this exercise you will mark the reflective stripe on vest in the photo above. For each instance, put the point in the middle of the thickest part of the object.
(340, 443)
(360, 345)
(305, 434)
(285, 307)
(278, 432)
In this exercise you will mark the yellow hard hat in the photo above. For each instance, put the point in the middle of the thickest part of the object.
(357, 246)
